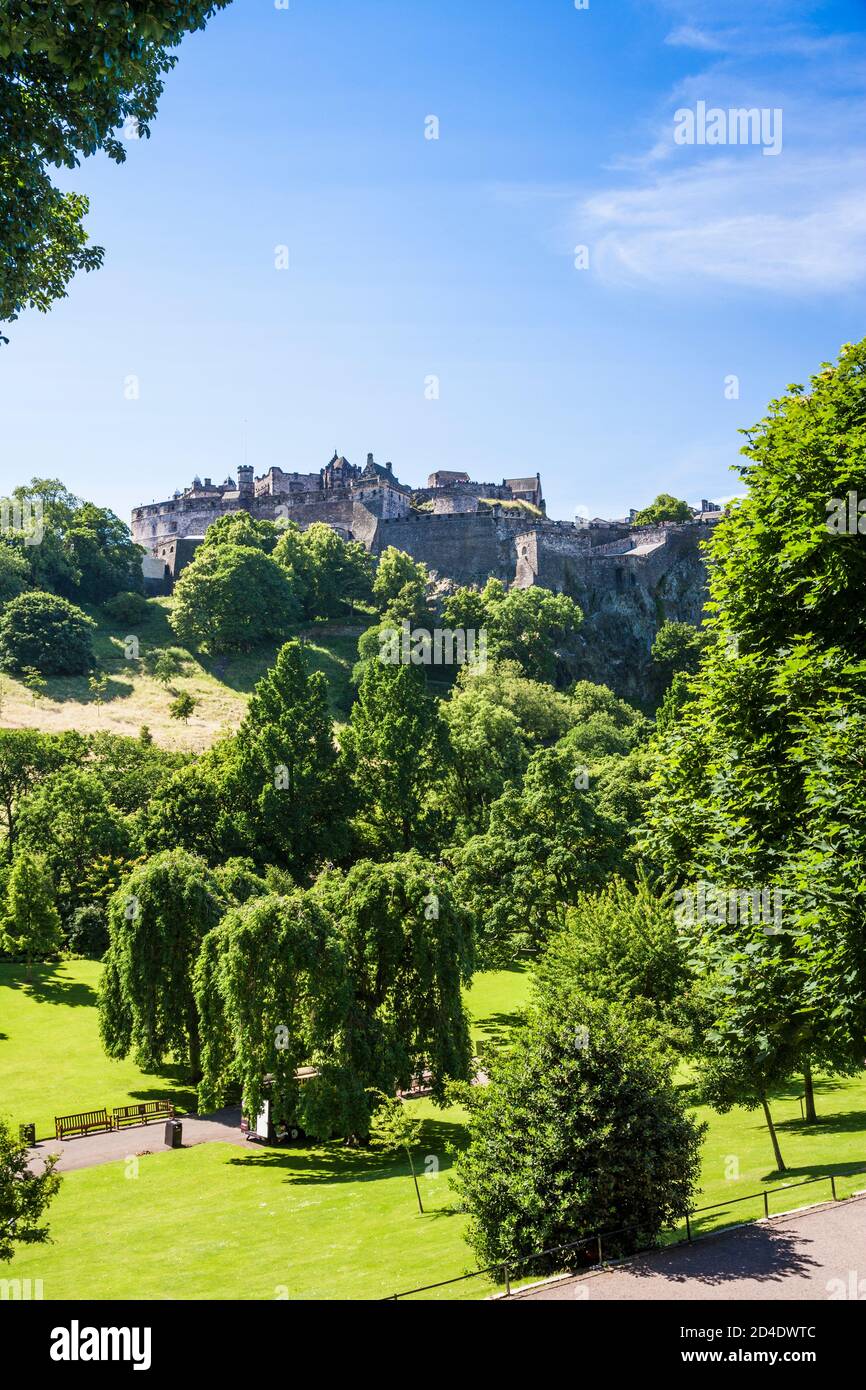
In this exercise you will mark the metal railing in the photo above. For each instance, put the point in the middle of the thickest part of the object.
(506, 1272)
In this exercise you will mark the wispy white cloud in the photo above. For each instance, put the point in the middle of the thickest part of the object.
(676, 215)
(737, 223)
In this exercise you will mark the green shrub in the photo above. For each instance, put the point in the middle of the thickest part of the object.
(126, 609)
(46, 633)
(88, 932)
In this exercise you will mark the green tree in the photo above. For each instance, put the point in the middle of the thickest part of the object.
(272, 992)
(31, 926)
(291, 796)
(759, 784)
(340, 572)
(239, 528)
(98, 684)
(392, 1128)
(400, 585)
(393, 751)
(24, 1194)
(26, 757)
(47, 633)
(233, 598)
(547, 840)
(523, 625)
(70, 77)
(127, 609)
(157, 921)
(581, 1130)
(407, 944)
(664, 508)
(183, 706)
(623, 946)
(69, 816)
(14, 573)
(164, 664)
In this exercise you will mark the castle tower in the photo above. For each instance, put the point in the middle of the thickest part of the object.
(245, 481)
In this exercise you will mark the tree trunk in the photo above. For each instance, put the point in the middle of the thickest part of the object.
(772, 1128)
(809, 1095)
(194, 1056)
(415, 1180)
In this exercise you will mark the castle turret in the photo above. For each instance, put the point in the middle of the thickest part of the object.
(245, 480)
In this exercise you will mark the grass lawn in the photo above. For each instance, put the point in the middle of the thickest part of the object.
(51, 1059)
(318, 1221)
(132, 697)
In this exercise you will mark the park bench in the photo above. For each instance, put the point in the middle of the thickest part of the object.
(142, 1113)
(82, 1123)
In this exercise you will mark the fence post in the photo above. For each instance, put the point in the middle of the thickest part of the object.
(766, 1203)
(507, 1280)
(688, 1227)
(600, 1256)
(833, 1185)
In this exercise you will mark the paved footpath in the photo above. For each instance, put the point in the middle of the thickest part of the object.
(92, 1149)
(819, 1253)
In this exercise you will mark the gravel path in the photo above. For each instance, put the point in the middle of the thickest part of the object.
(92, 1149)
(790, 1257)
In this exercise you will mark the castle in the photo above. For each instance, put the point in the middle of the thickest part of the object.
(627, 579)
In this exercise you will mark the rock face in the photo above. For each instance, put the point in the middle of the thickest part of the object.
(628, 580)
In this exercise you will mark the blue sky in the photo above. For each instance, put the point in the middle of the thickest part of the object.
(411, 258)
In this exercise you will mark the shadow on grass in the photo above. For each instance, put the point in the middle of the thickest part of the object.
(47, 987)
(336, 1162)
(177, 1089)
(838, 1122)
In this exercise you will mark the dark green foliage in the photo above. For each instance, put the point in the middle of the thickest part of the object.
(88, 931)
(272, 993)
(523, 625)
(580, 1130)
(126, 609)
(30, 922)
(157, 919)
(547, 840)
(70, 76)
(329, 575)
(664, 508)
(24, 1194)
(47, 633)
(70, 816)
(393, 753)
(233, 598)
(14, 573)
(26, 757)
(408, 951)
(290, 796)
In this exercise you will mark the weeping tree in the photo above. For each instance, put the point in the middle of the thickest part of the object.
(408, 951)
(272, 992)
(157, 920)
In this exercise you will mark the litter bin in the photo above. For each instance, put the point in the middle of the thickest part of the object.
(173, 1134)
(27, 1134)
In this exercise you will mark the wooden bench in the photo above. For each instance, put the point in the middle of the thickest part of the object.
(142, 1113)
(82, 1123)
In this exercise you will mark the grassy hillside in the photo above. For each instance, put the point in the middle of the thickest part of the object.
(318, 1220)
(133, 697)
